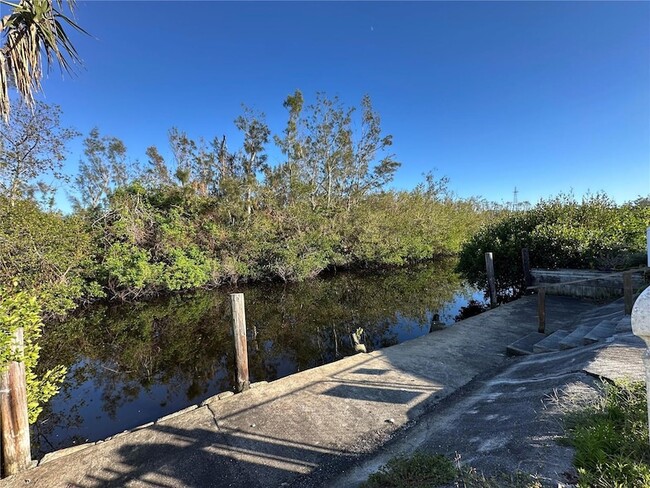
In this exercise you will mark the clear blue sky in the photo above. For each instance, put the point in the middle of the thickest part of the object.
(547, 97)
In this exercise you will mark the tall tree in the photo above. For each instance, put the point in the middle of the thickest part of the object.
(32, 150)
(328, 146)
(366, 174)
(253, 156)
(184, 151)
(33, 28)
(156, 173)
(226, 165)
(287, 176)
(104, 169)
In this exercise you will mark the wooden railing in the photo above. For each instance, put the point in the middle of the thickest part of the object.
(628, 291)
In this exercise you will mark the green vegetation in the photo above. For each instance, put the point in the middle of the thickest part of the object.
(611, 439)
(18, 309)
(211, 215)
(423, 470)
(419, 471)
(46, 253)
(594, 233)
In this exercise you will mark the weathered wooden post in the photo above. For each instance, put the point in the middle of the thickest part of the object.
(647, 240)
(541, 310)
(14, 419)
(489, 268)
(627, 292)
(239, 336)
(641, 328)
(525, 263)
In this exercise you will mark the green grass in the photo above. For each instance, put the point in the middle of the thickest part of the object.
(424, 470)
(419, 471)
(611, 439)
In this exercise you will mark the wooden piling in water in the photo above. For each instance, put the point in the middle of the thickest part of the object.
(489, 268)
(525, 262)
(239, 336)
(541, 310)
(14, 418)
(628, 292)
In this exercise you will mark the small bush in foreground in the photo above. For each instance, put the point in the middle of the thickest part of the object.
(435, 470)
(421, 470)
(611, 439)
(19, 309)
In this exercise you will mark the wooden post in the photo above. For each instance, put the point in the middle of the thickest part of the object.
(239, 336)
(647, 240)
(525, 262)
(14, 419)
(489, 268)
(541, 309)
(627, 292)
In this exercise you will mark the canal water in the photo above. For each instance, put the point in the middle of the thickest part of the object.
(131, 364)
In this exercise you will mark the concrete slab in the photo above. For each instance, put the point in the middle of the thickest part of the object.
(625, 324)
(591, 322)
(605, 329)
(575, 338)
(611, 309)
(551, 342)
(525, 345)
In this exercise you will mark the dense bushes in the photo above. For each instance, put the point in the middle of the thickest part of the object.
(562, 232)
(150, 247)
(47, 253)
(150, 242)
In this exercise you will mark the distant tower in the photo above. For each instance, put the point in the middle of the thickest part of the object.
(515, 203)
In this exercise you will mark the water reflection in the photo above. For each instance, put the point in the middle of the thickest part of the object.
(131, 364)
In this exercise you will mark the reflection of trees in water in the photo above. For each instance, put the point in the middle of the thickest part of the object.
(185, 341)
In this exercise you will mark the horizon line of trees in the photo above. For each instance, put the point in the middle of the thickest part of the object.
(329, 159)
(212, 214)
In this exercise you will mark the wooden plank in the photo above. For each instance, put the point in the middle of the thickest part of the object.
(525, 262)
(541, 310)
(14, 419)
(489, 268)
(239, 336)
(628, 292)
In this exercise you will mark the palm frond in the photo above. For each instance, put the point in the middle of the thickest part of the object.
(33, 28)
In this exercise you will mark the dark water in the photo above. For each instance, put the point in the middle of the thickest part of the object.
(131, 364)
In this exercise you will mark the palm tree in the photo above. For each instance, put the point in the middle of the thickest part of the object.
(33, 28)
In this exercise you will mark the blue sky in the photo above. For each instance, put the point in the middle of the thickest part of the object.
(547, 97)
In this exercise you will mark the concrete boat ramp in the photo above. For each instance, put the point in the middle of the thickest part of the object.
(314, 427)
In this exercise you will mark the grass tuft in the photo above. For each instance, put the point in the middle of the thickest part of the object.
(611, 439)
(422, 470)
(435, 470)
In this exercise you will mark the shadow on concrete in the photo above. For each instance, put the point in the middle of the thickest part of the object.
(205, 458)
(370, 371)
(383, 395)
